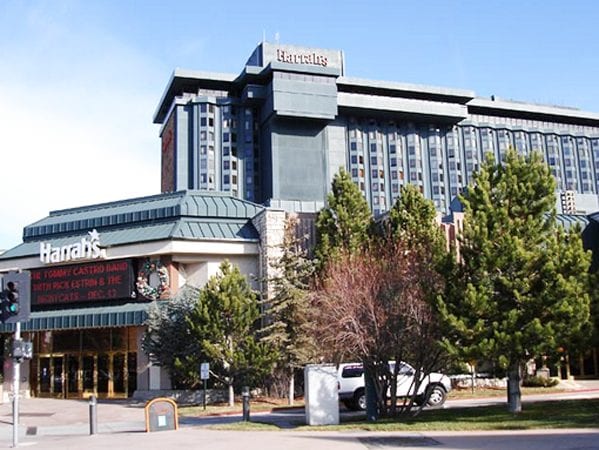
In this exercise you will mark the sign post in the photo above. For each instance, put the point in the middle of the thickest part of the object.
(204, 375)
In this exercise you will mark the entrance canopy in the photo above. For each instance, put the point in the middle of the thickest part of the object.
(130, 314)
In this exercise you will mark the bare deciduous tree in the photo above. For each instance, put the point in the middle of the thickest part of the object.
(377, 306)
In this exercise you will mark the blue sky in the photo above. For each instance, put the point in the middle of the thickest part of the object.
(80, 80)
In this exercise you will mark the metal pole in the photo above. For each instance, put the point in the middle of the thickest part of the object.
(245, 394)
(93, 415)
(205, 381)
(15, 391)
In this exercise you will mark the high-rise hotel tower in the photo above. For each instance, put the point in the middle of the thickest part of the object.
(277, 133)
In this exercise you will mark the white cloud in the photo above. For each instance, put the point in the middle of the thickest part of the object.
(75, 123)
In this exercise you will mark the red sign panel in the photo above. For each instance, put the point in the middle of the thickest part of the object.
(105, 280)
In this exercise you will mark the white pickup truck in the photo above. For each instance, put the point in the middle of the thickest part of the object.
(432, 390)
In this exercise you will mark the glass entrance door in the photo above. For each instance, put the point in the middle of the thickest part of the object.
(88, 375)
(73, 376)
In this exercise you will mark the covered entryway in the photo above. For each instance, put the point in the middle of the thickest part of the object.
(79, 363)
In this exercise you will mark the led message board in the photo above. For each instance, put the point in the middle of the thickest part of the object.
(105, 280)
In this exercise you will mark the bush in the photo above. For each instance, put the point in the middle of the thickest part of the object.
(535, 381)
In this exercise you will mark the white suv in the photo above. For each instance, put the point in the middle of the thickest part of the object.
(432, 391)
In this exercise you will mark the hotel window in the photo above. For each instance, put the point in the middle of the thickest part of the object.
(373, 148)
(392, 149)
(394, 175)
(203, 107)
(225, 151)
(353, 146)
(374, 173)
(393, 162)
(202, 121)
(202, 149)
(354, 159)
(203, 135)
(226, 137)
(375, 187)
(210, 122)
(373, 160)
(395, 188)
(226, 179)
(354, 173)
(361, 159)
(226, 165)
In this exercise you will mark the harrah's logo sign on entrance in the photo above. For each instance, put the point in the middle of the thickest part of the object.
(86, 248)
(301, 58)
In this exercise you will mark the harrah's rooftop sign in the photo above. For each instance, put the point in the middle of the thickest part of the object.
(86, 248)
(301, 58)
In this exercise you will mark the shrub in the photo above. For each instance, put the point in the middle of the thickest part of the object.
(535, 381)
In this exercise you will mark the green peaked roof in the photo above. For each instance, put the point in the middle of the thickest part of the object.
(192, 215)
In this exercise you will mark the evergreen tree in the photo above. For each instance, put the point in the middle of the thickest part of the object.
(287, 309)
(224, 323)
(166, 340)
(413, 219)
(522, 286)
(344, 223)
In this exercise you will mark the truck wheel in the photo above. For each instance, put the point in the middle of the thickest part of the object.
(435, 396)
(360, 399)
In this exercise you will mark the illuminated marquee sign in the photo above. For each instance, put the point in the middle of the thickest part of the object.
(86, 248)
(104, 280)
(302, 58)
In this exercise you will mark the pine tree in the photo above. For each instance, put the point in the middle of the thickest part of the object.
(224, 323)
(344, 223)
(413, 220)
(287, 310)
(166, 339)
(522, 287)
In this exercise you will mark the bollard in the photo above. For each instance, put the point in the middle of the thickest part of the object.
(245, 395)
(93, 416)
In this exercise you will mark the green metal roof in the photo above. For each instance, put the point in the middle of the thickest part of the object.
(569, 220)
(190, 215)
(130, 314)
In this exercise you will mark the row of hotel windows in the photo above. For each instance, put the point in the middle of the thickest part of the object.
(442, 162)
(225, 117)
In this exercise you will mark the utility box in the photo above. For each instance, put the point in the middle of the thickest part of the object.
(321, 394)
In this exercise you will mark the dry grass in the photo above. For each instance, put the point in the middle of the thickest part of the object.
(256, 404)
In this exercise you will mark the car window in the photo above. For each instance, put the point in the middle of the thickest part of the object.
(405, 369)
(352, 372)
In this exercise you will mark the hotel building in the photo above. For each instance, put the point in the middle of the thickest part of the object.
(239, 152)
